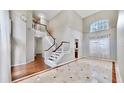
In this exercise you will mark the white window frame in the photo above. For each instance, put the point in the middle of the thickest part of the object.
(99, 25)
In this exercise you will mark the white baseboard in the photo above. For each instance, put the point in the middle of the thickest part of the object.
(23, 63)
(102, 59)
(18, 64)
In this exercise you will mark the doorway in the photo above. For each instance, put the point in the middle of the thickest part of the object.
(76, 48)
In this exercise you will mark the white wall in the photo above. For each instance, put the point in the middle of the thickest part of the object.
(67, 26)
(70, 35)
(65, 19)
(30, 39)
(22, 37)
(38, 45)
(5, 57)
(112, 17)
(18, 38)
(120, 43)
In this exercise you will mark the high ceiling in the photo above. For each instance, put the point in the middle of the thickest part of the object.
(49, 14)
(85, 13)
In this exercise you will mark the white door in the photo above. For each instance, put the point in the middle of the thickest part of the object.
(99, 47)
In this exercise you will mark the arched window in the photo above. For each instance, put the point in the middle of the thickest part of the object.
(99, 25)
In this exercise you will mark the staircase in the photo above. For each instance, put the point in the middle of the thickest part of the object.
(55, 57)
(52, 54)
(53, 60)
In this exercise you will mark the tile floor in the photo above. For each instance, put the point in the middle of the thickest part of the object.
(80, 71)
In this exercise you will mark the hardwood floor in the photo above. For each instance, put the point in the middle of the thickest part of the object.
(30, 68)
(114, 80)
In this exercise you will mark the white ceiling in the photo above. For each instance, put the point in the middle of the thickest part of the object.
(49, 14)
(85, 13)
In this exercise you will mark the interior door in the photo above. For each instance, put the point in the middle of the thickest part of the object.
(76, 48)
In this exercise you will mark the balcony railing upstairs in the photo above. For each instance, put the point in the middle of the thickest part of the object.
(46, 29)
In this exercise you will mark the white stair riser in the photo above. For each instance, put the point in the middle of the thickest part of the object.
(50, 63)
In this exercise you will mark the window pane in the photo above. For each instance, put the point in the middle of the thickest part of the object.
(99, 25)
